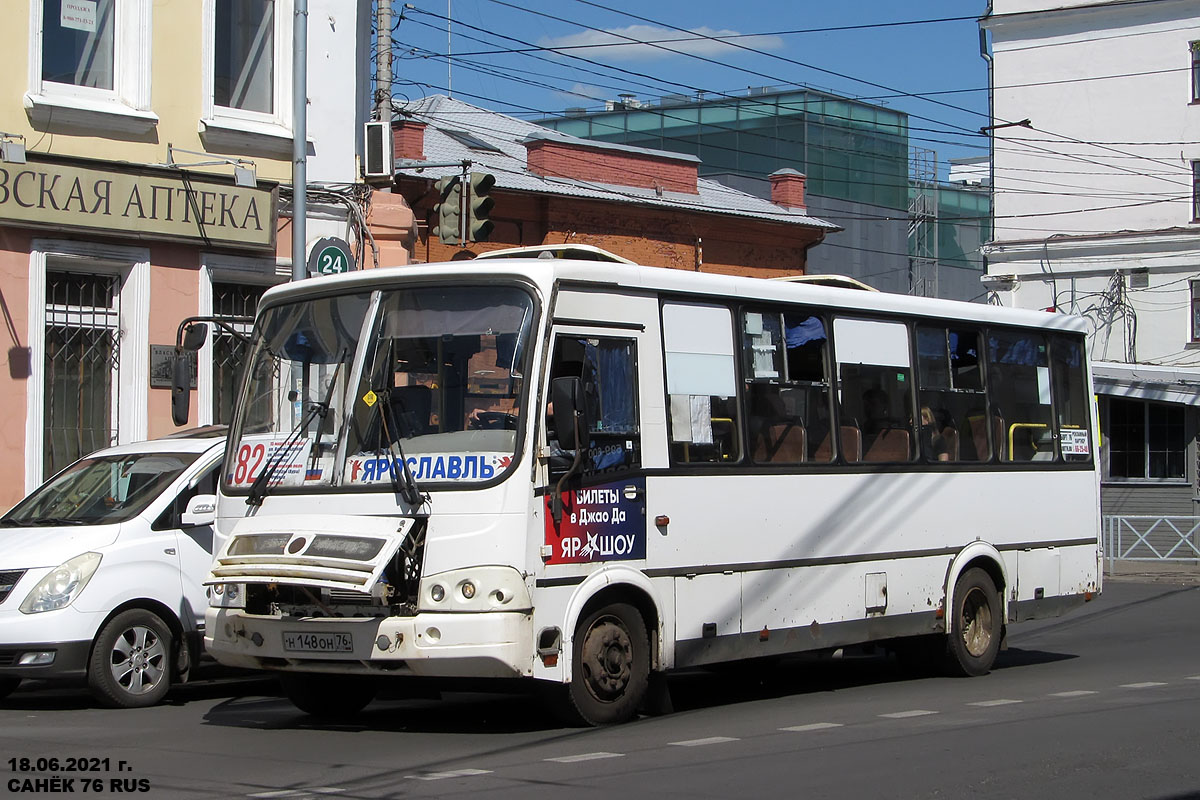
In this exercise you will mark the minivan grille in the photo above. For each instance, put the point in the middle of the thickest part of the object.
(8, 579)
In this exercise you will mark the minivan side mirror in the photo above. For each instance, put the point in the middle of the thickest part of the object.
(201, 510)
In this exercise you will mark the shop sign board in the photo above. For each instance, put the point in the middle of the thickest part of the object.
(134, 201)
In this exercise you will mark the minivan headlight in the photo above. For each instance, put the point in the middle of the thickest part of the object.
(64, 583)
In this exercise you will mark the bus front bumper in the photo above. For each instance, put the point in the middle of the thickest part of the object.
(474, 645)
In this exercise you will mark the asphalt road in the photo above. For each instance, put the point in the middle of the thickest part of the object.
(1103, 703)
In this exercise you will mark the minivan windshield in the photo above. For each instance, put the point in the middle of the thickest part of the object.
(345, 389)
(99, 490)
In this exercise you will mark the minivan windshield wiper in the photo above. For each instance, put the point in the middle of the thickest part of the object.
(258, 490)
(39, 521)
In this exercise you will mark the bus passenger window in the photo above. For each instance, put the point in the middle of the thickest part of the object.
(953, 405)
(1070, 398)
(701, 384)
(787, 388)
(1019, 391)
(875, 390)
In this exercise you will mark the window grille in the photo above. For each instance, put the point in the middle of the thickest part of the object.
(236, 302)
(83, 339)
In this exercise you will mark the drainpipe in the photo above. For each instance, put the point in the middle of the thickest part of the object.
(300, 140)
(983, 52)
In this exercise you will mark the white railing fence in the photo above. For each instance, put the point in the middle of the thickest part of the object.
(1150, 538)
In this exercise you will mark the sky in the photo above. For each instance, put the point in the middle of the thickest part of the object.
(920, 57)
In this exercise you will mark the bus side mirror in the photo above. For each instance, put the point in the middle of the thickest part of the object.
(194, 337)
(191, 337)
(181, 388)
(571, 423)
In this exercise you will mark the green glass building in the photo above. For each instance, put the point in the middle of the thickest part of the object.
(856, 157)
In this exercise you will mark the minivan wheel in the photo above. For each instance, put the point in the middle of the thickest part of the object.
(130, 666)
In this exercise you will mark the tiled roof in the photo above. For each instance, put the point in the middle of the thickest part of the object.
(505, 156)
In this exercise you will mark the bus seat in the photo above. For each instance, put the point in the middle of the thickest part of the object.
(979, 436)
(892, 444)
(411, 406)
(950, 437)
(851, 438)
(782, 443)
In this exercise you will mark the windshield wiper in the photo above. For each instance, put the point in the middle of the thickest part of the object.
(38, 521)
(258, 489)
(403, 484)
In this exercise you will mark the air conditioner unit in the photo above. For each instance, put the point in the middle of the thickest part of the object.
(378, 162)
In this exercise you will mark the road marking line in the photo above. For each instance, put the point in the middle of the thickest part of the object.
(584, 757)
(1076, 693)
(813, 726)
(906, 714)
(454, 773)
(1193, 678)
(1143, 685)
(990, 703)
(298, 792)
(702, 742)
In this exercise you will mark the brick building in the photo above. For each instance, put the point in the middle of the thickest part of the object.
(649, 206)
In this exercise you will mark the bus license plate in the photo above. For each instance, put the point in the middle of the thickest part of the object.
(307, 642)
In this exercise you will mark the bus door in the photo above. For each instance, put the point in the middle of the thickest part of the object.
(602, 514)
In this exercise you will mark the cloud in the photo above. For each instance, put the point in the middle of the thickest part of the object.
(581, 94)
(667, 43)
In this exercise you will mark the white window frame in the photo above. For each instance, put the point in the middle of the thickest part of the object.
(123, 109)
(219, 268)
(133, 382)
(1193, 305)
(234, 127)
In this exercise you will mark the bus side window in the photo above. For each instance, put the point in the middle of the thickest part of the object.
(1019, 394)
(784, 358)
(1070, 398)
(875, 390)
(701, 383)
(952, 402)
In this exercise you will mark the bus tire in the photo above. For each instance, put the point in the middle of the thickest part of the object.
(328, 697)
(975, 624)
(130, 665)
(610, 666)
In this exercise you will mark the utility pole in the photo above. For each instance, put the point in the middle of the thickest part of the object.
(383, 74)
(300, 141)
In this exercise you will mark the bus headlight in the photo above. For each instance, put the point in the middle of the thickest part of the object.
(64, 583)
(227, 595)
(476, 589)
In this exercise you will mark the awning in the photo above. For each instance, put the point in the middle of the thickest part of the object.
(1147, 382)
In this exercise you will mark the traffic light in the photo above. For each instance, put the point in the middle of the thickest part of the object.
(448, 210)
(479, 205)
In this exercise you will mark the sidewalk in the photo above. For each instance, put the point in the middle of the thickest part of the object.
(1187, 574)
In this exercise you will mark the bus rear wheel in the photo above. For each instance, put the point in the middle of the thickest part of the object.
(610, 666)
(976, 625)
(328, 697)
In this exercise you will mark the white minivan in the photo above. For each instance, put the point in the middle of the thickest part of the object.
(102, 570)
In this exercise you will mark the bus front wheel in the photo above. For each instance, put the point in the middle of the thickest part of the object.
(328, 697)
(975, 624)
(610, 666)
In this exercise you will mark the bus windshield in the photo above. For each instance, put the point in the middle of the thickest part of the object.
(344, 389)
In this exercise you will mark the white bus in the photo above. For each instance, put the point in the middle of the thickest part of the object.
(589, 474)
